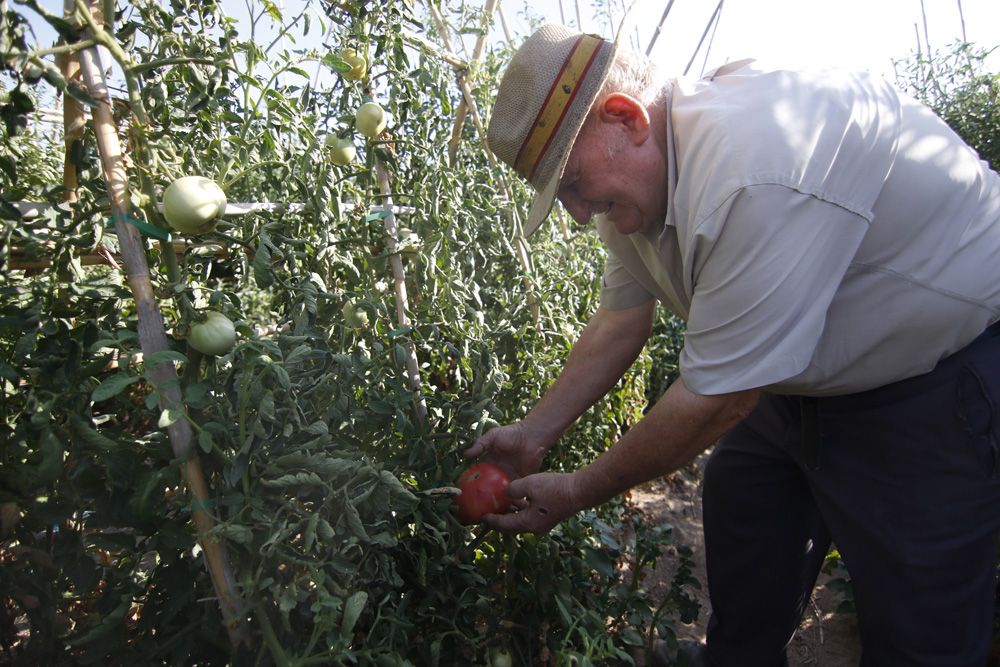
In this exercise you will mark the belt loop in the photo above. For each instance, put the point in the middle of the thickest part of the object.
(811, 438)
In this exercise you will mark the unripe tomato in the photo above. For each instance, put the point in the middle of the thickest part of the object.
(370, 119)
(32, 73)
(354, 317)
(191, 204)
(502, 659)
(216, 335)
(342, 150)
(484, 491)
(358, 63)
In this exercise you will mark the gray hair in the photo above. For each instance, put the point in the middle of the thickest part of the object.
(635, 75)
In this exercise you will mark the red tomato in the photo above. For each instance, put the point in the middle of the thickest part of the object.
(483, 487)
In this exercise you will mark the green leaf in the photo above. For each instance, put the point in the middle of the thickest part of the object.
(9, 168)
(262, 271)
(165, 355)
(205, 441)
(113, 386)
(91, 437)
(352, 612)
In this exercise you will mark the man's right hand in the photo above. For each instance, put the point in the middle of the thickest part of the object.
(514, 447)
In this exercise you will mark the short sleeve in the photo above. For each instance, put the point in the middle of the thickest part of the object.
(766, 277)
(619, 290)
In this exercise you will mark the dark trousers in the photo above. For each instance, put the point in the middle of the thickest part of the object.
(904, 479)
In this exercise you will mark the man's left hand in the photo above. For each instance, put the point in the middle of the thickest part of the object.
(541, 501)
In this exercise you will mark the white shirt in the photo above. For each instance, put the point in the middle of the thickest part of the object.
(825, 234)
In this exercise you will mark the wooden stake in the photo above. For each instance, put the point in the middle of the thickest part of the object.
(152, 337)
(399, 281)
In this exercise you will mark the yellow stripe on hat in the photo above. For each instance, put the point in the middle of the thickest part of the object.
(558, 101)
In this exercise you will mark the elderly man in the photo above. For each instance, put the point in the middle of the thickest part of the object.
(834, 249)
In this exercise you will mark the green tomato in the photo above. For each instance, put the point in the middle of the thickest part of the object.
(215, 336)
(192, 204)
(358, 63)
(503, 659)
(354, 317)
(342, 150)
(370, 119)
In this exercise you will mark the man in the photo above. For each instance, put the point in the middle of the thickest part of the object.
(835, 251)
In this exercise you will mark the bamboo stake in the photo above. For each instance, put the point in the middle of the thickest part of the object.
(961, 19)
(711, 40)
(704, 34)
(503, 24)
(469, 103)
(399, 280)
(488, 9)
(659, 27)
(74, 119)
(152, 336)
(435, 50)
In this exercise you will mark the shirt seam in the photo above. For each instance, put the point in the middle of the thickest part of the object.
(866, 216)
(874, 268)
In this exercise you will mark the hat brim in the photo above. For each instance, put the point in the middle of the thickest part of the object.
(544, 200)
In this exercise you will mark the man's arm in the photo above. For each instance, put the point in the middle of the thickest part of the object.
(609, 344)
(681, 425)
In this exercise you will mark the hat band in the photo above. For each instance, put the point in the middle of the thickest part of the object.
(557, 103)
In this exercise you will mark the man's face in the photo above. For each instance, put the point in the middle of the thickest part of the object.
(611, 172)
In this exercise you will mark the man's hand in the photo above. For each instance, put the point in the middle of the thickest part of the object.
(513, 447)
(542, 501)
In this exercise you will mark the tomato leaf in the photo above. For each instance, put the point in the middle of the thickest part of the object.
(206, 442)
(113, 386)
(352, 612)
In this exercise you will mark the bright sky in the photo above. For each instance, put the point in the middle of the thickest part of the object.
(864, 34)
(856, 34)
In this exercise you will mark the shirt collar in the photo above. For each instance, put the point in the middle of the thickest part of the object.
(657, 231)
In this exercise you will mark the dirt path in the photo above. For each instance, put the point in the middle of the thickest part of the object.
(825, 638)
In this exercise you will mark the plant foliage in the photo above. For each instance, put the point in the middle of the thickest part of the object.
(328, 490)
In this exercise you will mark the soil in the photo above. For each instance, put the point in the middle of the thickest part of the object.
(824, 639)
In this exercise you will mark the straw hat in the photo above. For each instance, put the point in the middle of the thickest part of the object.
(544, 98)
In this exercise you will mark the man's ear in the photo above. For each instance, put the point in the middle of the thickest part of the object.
(619, 108)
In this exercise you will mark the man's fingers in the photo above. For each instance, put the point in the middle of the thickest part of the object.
(518, 488)
(530, 520)
(511, 522)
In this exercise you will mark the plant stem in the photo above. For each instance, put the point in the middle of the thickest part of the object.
(139, 68)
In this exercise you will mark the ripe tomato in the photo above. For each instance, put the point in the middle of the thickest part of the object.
(191, 204)
(216, 335)
(370, 119)
(484, 491)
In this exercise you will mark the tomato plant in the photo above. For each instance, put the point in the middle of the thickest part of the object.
(370, 119)
(192, 204)
(321, 474)
(215, 335)
(342, 149)
(502, 658)
(357, 62)
(483, 489)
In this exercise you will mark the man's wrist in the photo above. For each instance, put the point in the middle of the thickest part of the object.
(541, 432)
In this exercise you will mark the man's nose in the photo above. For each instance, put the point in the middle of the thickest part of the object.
(578, 209)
